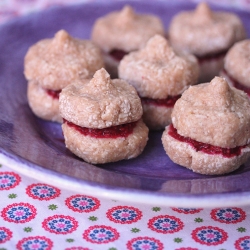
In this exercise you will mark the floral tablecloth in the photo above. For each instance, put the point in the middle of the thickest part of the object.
(35, 215)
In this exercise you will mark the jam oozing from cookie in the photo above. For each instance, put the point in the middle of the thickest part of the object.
(114, 132)
(168, 102)
(53, 93)
(236, 84)
(117, 54)
(204, 147)
(210, 57)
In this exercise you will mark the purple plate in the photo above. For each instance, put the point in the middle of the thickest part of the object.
(36, 148)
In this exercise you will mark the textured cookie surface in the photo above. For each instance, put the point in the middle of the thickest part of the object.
(125, 30)
(56, 62)
(237, 62)
(204, 31)
(210, 164)
(42, 104)
(100, 102)
(214, 113)
(103, 150)
(156, 71)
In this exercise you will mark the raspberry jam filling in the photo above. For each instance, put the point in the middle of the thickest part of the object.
(204, 147)
(53, 93)
(210, 57)
(236, 84)
(168, 102)
(114, 132)
(117, 54)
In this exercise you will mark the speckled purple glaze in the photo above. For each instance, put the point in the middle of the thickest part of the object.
(39, 144)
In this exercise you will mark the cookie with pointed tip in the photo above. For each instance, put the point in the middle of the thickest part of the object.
(237, 66)
(208, 35)
(102, 119)
(52, 64)
(160, 75)
(121, 32)
(210, 130)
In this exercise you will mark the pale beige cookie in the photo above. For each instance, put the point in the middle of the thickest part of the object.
(206, 34)
(103, 150)
(124, 31)
(42, 104)
(215, 114)
(158, 72)
(56, 62)
(52, 64)
(237, 62)
(185, 155)
(98, 104)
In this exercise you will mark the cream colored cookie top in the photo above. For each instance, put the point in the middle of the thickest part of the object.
(237, 62)
(214, 113)
(156, 71)
(204, 31)
(56, 62)
(100, 102)
(125, 30)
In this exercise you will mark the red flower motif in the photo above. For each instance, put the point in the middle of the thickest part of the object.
(210, 236)
(145, 243)
(82, 203)
(19, 212)
(100, 234)
(60, 224)
(239, 244)
(228, 215)
(5, 234)
(42, 191)
(34, 242)
(165, 224)
(9, 180)
(124, 214)
(187, 210)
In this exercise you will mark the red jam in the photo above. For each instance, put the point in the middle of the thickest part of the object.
(237, 85)
(204, 147)
(216, 56)
(118, 54)
(53, 93)
(168, 102)
(114, 132)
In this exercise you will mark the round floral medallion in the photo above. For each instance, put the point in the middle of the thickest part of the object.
(228, 215)
(242, 243)
(19, 212)
(165, 224)
(60, 224)
(186, 210)
(5, 234)
(9, 180)
(210, 236)
(42, 191)
(142, 243)
(35, 242)
(101, 234)
(82, 203)
(124, 214)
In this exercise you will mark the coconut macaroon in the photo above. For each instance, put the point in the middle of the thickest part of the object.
(237, 66)
(208, 35)
(121, 32)
(160, 76)
(210, 132)
(102, 119)
(52, 64)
